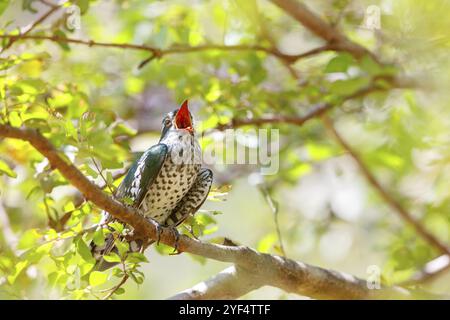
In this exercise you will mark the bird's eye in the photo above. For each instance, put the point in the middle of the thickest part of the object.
(167, 122)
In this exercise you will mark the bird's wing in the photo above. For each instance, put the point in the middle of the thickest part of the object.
(193, 200)
(142, 174)
(134, 186)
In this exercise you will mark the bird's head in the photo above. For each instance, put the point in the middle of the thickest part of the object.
(179, 120)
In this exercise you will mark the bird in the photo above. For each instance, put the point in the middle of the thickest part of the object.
(166, 184)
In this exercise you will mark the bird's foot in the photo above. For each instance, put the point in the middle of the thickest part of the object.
(159, 230)
(176, 234)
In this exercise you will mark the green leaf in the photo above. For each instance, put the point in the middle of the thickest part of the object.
(370, 66)
(84, 251)
(137, 277)
(122, 130)
(89, 171)
(21, 265)
(119, 291)
(29, 239)
(15, 90)
(204, 219)
(99, 237)
(60, 99)
(348, 87)
(214, 92)
(161, 248)
(64, 45)
(97, 278)
(136, 257)
(210, 230)
(109, 178)
(5, 169)
(3, 5)
(83, 5)
(267, 243)
(32, 86)
(117, 226)
(127, 200)
(122, 247)
(340, 63)
(134, 85)
(319, 151)
(112, 257)
(26, 5)
(86, 267)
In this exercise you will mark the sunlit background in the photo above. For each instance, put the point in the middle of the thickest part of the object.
(328, 214)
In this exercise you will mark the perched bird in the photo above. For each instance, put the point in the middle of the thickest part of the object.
(166, 184)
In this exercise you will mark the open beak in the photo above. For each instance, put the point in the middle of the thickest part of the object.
(183, 118)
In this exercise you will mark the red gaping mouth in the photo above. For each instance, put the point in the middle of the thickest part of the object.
(183, 118)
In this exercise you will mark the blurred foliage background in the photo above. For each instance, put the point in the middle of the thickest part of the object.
(101, 108)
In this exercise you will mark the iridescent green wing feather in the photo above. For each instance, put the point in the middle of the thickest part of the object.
(141, 175)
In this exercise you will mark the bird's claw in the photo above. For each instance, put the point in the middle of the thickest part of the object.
(159, 230)
(177, 238)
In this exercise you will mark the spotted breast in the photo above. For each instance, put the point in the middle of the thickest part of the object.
(176, 177)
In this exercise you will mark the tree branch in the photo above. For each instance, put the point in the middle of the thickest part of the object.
(272, 270)
(44, 17)
(335, 39)
(75, 177)
(315, 112)
(430, 271)
(159, 53)
(231, 283)
(290, 276)
(386, 195)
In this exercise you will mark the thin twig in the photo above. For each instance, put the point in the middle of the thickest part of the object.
(315, 112)
(11, 41)
(321, 28)
(100, 172)
(274, 208)
(158, 53)
(80, 200)
(115, 288)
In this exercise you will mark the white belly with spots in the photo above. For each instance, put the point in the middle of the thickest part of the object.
(171, 185)
(175, 179)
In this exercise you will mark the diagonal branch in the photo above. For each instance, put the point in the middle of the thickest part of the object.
(385, 195)
(291, 276)
(53, 9)
(430, 271)
(320, 28)
(74, 176)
